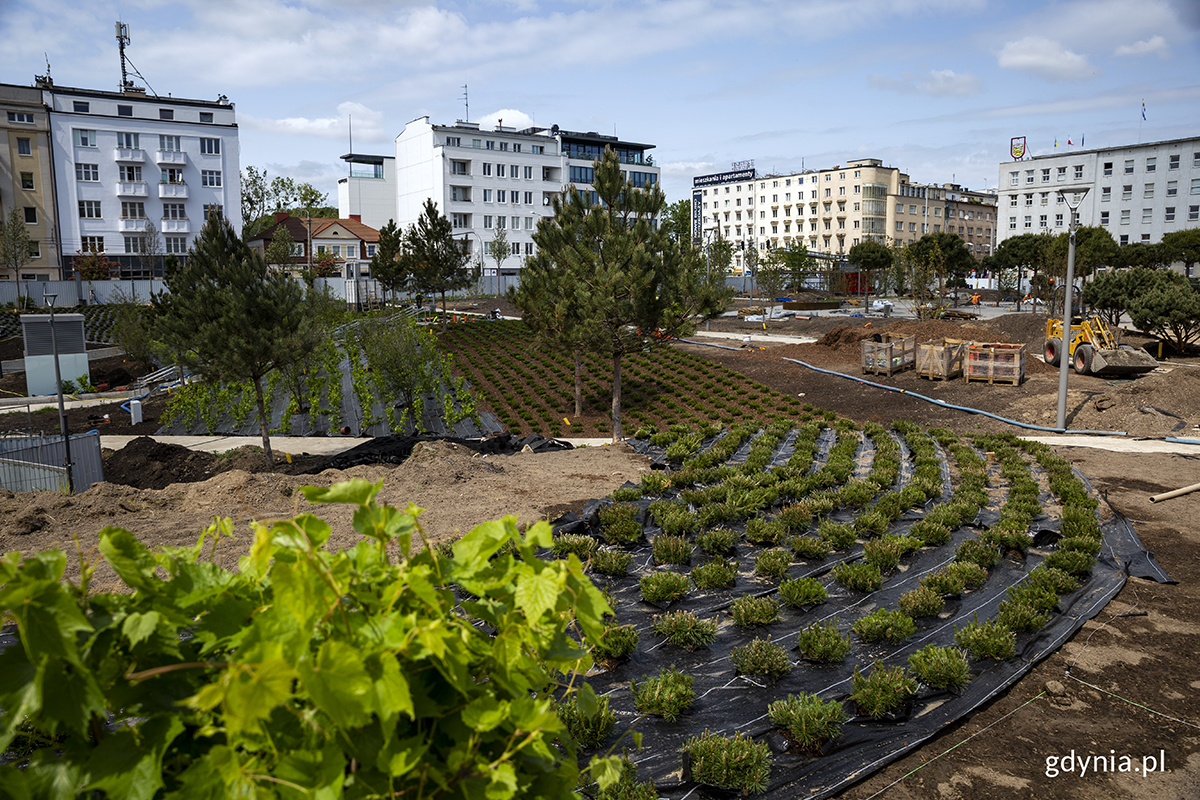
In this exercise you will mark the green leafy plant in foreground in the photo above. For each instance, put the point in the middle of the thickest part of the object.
(301, 664)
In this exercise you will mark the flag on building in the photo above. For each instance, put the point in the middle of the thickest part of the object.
(1081, 141)
(1068, 141)
(1056, 141)
(1143, 109)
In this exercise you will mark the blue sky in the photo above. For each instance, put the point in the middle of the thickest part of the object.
(935, 87)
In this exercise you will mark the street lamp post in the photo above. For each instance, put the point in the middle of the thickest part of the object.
(62, 414)
(1072, 204)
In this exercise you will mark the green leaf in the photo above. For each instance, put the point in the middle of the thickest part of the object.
(320, 773)
(305, 532)
(130, 559)
(539, 535)
(473, 550)
(301, 591)
(401, 756)
(392, 695)
(138, 627)
(71, 696)
(48, 618)
(253, 691)
(538, 593)
(484, 713)
(585, 698)
(128, 763)
(502, 783)
(339, 683)
(606, 771)
(356, 491)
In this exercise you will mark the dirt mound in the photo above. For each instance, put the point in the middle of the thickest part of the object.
(148, 464)
(1028, 329)
(1164, 404)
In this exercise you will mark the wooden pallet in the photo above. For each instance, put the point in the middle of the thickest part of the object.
(941, 359)
(995, 363)
(895, 353)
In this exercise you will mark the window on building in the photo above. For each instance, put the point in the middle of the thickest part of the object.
(529, 198)
(1012, 223)
(1127, 191)
(459, 168)
(499, 170)
(172, 175)
(89, 209)
(84, 138)
(1028, 199)
(1108, 168)
(912, 226)
(1172, 188)
(487, 221)
(504, 145)
(370, 251)
(1028, 221)
(166, 113)
(1195, 186)
(206, 116)
(1029, 176)
(1014, 178)
(1046, 175)
(1125, 216)
(27, 181)
(124, 111)
(1147, 215)
(529, 173)
(516, 248)
(170, 144)
(1012, 201)
(501, 222)
(133, 210)
(129, 141)
(174, 211)
(87, 172)
(210, 147)
(514, 171)
(1169, 216)
(213, 209)
(23, 147)
(177, 244)
(487, 170)
(1193, 213)
(91, 244)
(1105, 194)
(500, 194)
(130, 174)
(1079, 172)
(210, 177)
(1148, 191)
(453, 141)
(135, 244)
(1129, 167)
(81, 106)
(30, 215)
(1062, 173)
(1124, 240)
(20, 116)
(1042, 223)
(1151, 164)
(1103, 217)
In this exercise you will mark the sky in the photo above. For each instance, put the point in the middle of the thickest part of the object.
(937, 88)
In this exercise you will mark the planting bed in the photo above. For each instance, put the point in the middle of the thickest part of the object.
(921, 575)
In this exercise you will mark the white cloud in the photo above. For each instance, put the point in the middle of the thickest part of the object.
(1045, 58)
(935, 83)
(512, 119)
(1155, 44)
(368, 124)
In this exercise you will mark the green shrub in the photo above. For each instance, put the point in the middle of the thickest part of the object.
(669, 694)
(749, 611)
(581, 546)
(894, 626)
(972, 575)
(715, 574)
(808, 721)
(883, 553)
(617, 641)
(871, 523)
(654, 483)
(885, 690)
(803, 592)
(672, 550)
(611, 562)
(796, 518)
(921, 602)
(627, 494)
(944, 582)
(1071, 562)
(760, 531)
(839, 534)
(931, 532)
(941, 667)
(718, 541)
(772, 564)
(761, 657)
(1081, 544)
(977, 551)
(989, 640)
(627, 786)
(588, 729)
(738, 763)
(810, 547)
(860, 577)
(1054, 579)
(685, 629)
(1020, 613)
(823, 642)
(664, 587)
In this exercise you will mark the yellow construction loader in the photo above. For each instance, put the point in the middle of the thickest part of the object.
(1093, 350)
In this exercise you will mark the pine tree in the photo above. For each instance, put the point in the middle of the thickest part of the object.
(437, 261)
(385, 264)
(230, 318)
(609, 279)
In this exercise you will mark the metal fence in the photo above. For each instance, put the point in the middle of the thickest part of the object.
(36, 463)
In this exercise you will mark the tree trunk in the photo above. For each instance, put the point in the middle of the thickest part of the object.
(262, 423)
(578, 384)
(616, 399)
(443, 311)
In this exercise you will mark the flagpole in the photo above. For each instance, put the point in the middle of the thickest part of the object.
(1143, 119)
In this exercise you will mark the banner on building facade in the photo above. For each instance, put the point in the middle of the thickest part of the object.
(697, 216)
(725, 177)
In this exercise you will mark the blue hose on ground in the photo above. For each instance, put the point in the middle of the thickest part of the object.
(125, 406)
(967, 409)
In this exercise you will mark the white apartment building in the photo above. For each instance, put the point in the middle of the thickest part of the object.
(829, 211)
(482, 180)
(127, 164)
(1137, 192)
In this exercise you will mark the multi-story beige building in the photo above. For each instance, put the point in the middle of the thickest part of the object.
(27, 179)
(829, 211)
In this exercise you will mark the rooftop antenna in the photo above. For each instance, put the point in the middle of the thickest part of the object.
(466, 104)
(350, 123)
(127, 85)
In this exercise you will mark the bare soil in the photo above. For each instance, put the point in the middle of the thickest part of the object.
(1134, 684)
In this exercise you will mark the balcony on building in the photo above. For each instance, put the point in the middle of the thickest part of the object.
(132, 224)
(172, 191)
(171, 157)
(132, 189)
(129, 154)
(174, 226)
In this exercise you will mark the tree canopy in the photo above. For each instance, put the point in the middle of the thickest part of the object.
(1183, 246)
(607, 279)
(1168, 306)
(436, 261)
(231, 318)
(386, 265)
(262, 197)
(872, 257)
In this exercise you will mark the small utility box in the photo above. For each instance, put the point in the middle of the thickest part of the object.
(39, 354)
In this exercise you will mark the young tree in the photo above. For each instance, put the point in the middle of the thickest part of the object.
(231, 318)
(438, 262)
(1111, 293)
(676, 222)
(772, 277)
(498, 248)
(92, 265)
(150, 249)
(405, 362)
(1027, 252)
(386, 266)
(872, 258)
(720, 257)
(608, 265)
(14, 243)
(798, 262)
(279, 251)
(1094, 247)
(1183, 246)
(955, 259)
(1169, 307)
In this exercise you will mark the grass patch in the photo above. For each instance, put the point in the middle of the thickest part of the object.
(941, 667)
(761, 657)
(808, 721)
(736, 762)
(685, 629)
(668, 694)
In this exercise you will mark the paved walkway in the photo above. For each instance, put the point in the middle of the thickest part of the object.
(1118, 444)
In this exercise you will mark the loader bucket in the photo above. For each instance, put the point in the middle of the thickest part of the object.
(1107, 363)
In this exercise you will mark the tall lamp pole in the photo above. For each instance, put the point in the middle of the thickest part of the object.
(1064, 363)
(62, 414)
